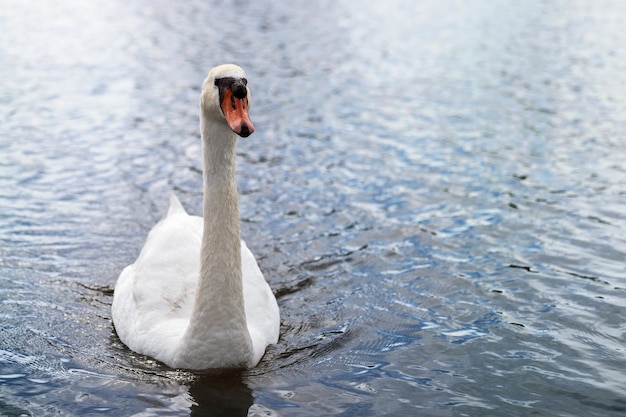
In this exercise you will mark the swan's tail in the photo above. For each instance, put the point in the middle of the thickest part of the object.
(175, 206)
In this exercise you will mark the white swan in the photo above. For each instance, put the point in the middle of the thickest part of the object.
(195, 297)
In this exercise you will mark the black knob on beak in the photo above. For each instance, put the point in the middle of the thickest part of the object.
(239, 89)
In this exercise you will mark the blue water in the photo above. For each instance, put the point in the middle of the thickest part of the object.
(435, 191)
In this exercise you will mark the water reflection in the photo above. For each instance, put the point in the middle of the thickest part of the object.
(220, 396)
(208, 393)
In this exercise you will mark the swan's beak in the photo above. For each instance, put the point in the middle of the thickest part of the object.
(236, 113)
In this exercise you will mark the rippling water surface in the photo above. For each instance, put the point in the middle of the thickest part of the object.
(435, 192)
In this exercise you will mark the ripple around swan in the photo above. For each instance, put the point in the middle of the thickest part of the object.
(434, 191)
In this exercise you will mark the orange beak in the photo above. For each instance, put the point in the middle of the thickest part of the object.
(236, 113)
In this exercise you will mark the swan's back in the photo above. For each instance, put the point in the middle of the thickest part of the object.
(154, 297)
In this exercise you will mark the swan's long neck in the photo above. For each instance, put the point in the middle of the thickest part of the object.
(218, 322)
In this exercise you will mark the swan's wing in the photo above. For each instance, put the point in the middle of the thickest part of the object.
(262, 312)
(154, 296)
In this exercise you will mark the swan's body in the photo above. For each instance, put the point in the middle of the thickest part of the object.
(195, 297)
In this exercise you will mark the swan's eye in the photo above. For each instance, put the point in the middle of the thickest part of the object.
(223, 82)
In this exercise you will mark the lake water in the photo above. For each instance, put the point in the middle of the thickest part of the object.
(435, 191)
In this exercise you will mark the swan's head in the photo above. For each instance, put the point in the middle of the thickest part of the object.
(225, 97)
